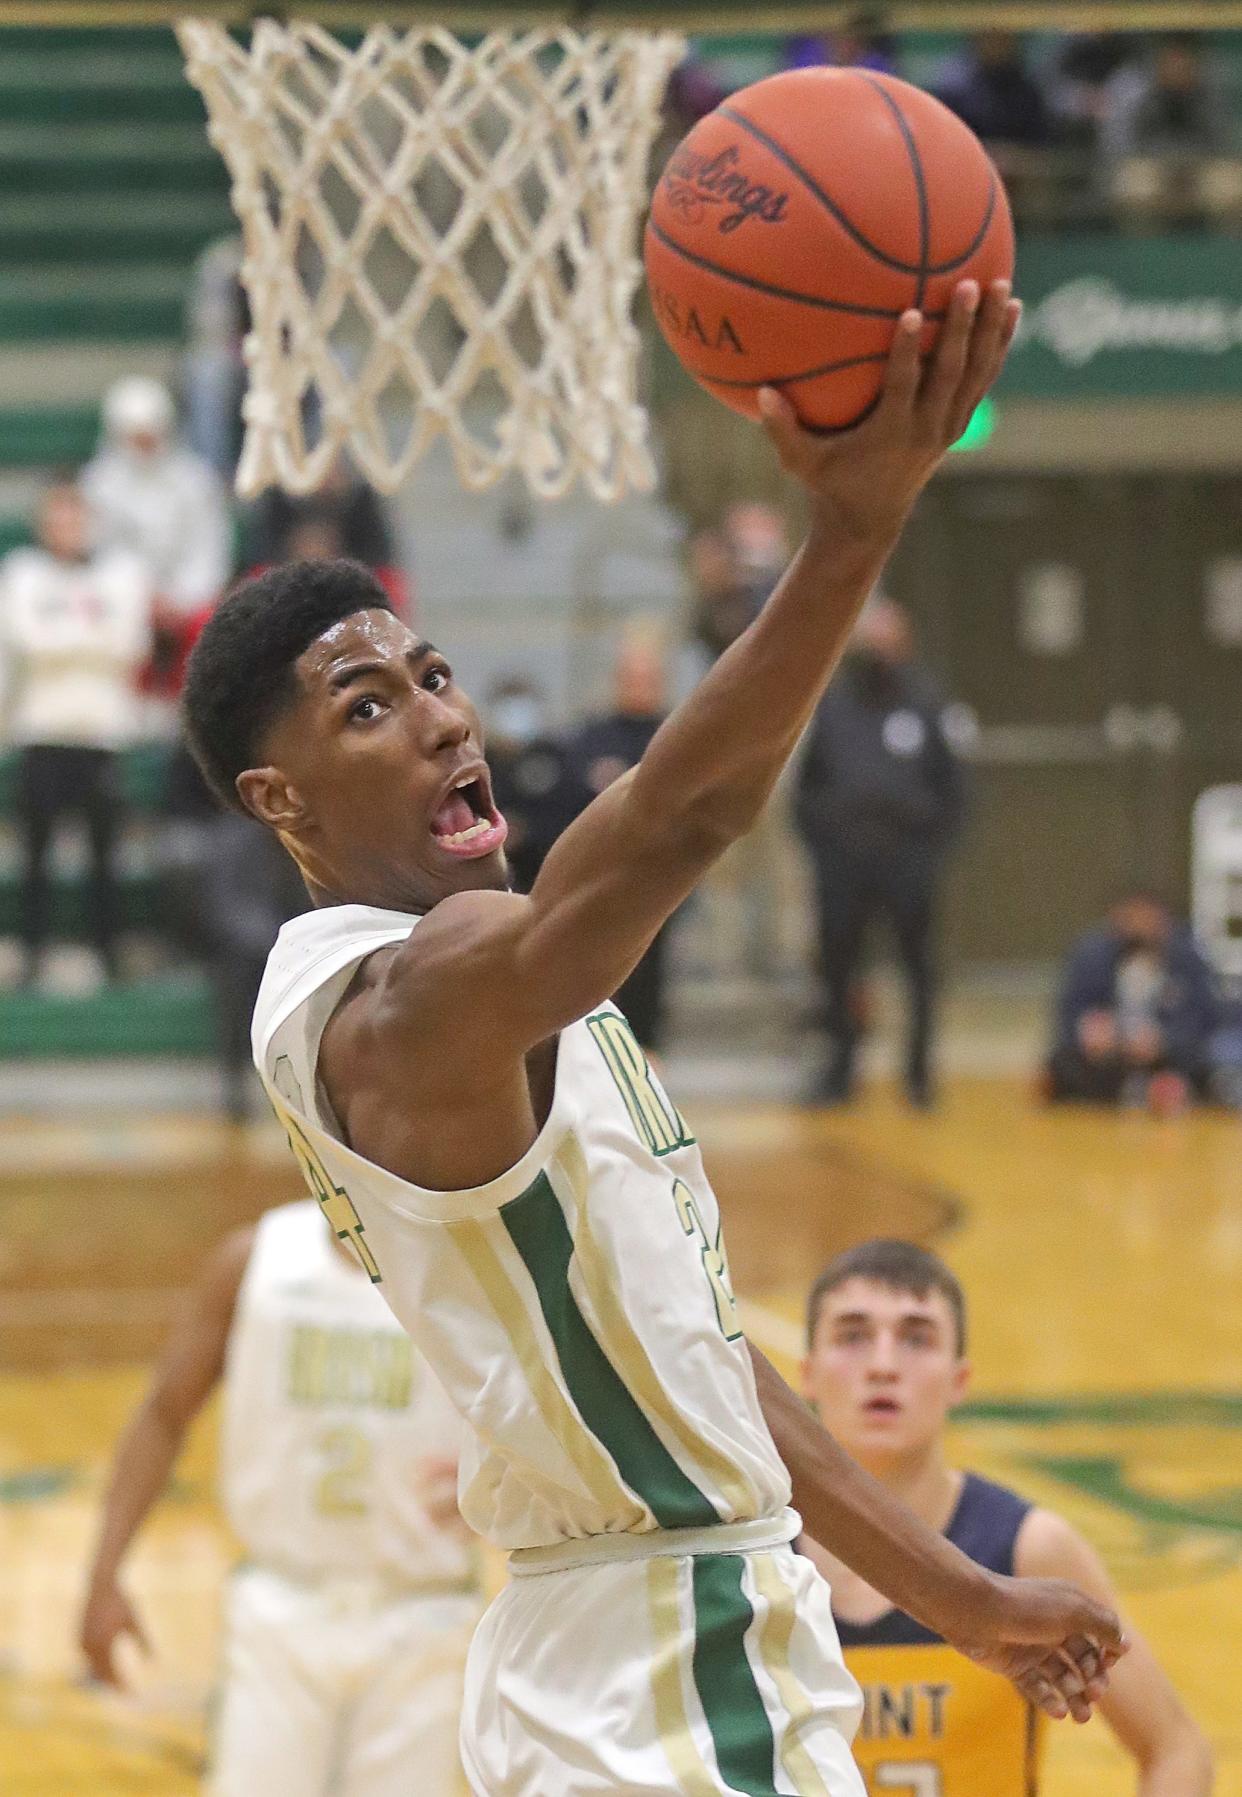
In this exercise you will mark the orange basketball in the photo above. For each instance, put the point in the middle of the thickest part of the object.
(793, 226)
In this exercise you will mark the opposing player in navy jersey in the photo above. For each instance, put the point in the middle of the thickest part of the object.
(885, 1363)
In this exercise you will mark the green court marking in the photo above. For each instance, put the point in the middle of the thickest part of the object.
(1157, 1409)
(745, 1749)
(1104, 1478)
(36, 1484)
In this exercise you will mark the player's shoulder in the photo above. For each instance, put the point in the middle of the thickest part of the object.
(317, 945)
(284, 1237)
(224, 1270)
(987, 1521)
(1050, 1547)
(459, 935)
(403, 989)
(301, 1217)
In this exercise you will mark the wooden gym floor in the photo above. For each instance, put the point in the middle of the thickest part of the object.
(1102, 1256)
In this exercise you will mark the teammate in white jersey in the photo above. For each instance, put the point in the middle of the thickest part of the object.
(473, 1114)
(346, 1629)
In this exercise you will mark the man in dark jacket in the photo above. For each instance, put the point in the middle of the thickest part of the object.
(535, 781)
(880, 796)
(604, 748)
(1136, 1012)
(990, 89)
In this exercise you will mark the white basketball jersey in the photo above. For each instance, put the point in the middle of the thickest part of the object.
(577, 1308)
(330, 1418)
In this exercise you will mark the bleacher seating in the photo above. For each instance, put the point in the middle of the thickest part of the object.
(169, 1012)
(108, 189)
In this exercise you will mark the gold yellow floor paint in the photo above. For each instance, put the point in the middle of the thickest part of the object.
(1102, 1257)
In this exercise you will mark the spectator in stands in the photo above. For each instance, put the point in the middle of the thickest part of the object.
(213, 374)
(989, 87)
(722, 604)
(164, 503)
(345, 516)
(759, 542)
(1079, 84)
(862, 41)
(75, 627)
(1137, 1009)
(158, 500)
(733, 568)
(248, 887)
(535, 779)
(880, 798)
(1170, 138)
(603, 749)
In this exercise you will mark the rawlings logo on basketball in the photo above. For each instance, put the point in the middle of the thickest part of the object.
(687, 321)
(693, 183)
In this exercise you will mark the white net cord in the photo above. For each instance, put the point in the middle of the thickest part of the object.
(440, 238)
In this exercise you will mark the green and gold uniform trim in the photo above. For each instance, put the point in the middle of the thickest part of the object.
(537, 1228)
(736, 1717)
(624, 1349)
(334, 1201)
(743, 1741)
(775, 1635)
(587, 1456)
(694, 1776)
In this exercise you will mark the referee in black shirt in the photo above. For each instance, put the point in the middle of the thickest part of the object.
(879, 800)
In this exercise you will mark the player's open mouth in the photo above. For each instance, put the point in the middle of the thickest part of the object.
(466, 823)
(882, 1407)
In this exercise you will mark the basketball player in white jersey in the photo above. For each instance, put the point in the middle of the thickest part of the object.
(346, 1629)
(476, 1116)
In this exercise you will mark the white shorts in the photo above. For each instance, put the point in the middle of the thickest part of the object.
(669, 1676)
(334, 1691)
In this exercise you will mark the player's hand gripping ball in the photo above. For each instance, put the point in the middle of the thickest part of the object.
(794, 225)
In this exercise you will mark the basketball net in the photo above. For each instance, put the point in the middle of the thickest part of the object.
(439, 240)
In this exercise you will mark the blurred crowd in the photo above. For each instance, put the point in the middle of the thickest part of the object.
(1104, 127)
(129, 555)
(99, 612)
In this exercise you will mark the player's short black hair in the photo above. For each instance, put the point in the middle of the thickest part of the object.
(240, 674)
(902, 1267)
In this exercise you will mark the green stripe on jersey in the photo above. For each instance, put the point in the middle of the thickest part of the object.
(538, 1230)
(745, 1747)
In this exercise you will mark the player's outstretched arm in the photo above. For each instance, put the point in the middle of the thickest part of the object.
(188, 1369)
(1055, 1642)
(633, 855)
(1140, 1705)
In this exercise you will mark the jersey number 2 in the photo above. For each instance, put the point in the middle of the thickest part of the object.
(342, 1485)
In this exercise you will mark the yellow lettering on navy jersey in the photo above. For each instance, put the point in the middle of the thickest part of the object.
(656, 1118)
(903, 1711)
(936, 1725)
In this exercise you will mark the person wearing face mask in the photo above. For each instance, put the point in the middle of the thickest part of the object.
(880, 796)
(1136, 1012)
(534, 780)
(604, 748)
